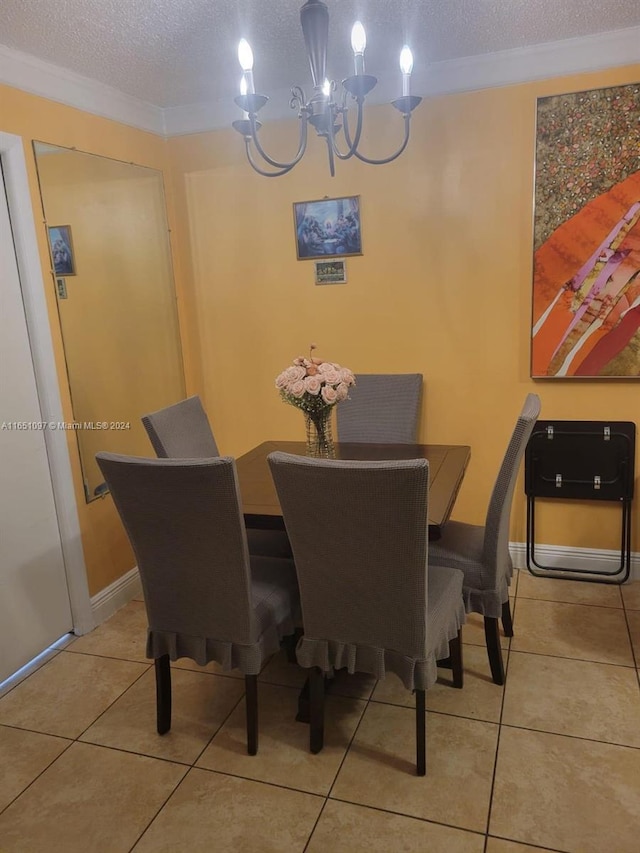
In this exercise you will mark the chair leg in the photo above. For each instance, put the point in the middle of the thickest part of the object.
(455, 655)
(492, 637)
(507, 622)
(421, 734)
(163, 694)
(290, 642)
(251, 702)
(316, 710)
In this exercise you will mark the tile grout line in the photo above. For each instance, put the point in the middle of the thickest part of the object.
(504, 693)
(429, 820)
(44, 769)
(570, 736)
(168, 797)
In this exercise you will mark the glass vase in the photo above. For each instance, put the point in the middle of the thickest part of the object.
(319, 434)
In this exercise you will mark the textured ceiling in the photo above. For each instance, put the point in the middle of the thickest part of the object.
(178, 52)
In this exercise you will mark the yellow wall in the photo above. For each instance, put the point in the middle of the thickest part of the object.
(106, 548)
(443, 286)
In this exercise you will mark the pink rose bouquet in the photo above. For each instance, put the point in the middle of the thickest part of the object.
(314, 385)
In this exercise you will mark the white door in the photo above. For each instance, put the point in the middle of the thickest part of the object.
(34, 600)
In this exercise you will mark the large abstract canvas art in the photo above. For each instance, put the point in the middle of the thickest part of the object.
(586, 271)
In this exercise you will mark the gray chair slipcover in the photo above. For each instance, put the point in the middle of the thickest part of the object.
(482, 552)
(359, 535)
(382, 408)
(206, 599)
(183, 431)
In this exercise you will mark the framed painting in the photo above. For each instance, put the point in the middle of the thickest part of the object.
(586, 263)
(328, 227)
(62, 250)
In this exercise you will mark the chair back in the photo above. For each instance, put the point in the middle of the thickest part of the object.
(358, 531)
(382, 408)
(185, 524)
(496, 536)
(181, 431)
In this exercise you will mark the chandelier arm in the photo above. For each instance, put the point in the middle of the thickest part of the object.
(384, 160)
(347, 135)
(256, 168)
(302, 145)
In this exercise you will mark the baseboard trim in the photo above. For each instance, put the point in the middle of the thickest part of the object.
(105, 603)
(591, 559)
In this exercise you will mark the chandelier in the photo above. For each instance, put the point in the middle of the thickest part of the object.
(326, 111)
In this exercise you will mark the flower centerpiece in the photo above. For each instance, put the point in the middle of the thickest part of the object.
(315, 386)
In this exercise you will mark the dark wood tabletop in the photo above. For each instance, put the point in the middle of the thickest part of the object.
(447, 464)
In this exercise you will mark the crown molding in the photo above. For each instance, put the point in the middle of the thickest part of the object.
(538, 62)
(26, 72)
(519, 65)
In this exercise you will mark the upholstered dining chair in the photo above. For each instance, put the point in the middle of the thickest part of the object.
(369, 603)
(382, 408)
(206, 599)
(482, 552)
(183, 431)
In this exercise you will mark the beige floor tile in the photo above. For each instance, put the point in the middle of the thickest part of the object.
(122, 636)
(479, 699)
(573, 697)
(67, 694)
(379, 769)
(569, 591)
(631, 595)
(573, 631)
(283, 751)
(345, 828)
(499, 845)
(89, 799)
(23, 756)
(200, 704)
(566, 793)
(473, 630)
(633, 618)
(213, 813)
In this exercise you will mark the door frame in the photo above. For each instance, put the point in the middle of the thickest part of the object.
(14, 167)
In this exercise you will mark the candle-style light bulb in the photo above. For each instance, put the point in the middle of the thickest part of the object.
(243, 92)
(245, 58)
(326, 88)
(406, 66)
(358, 44)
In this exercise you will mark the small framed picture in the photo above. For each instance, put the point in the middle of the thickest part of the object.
(331, 272)
(62, 250)
(61, 286)
(328, 227)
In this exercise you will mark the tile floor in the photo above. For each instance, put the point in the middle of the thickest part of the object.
(551, 762)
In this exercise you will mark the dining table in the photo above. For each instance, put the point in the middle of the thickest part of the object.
(447, 465)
